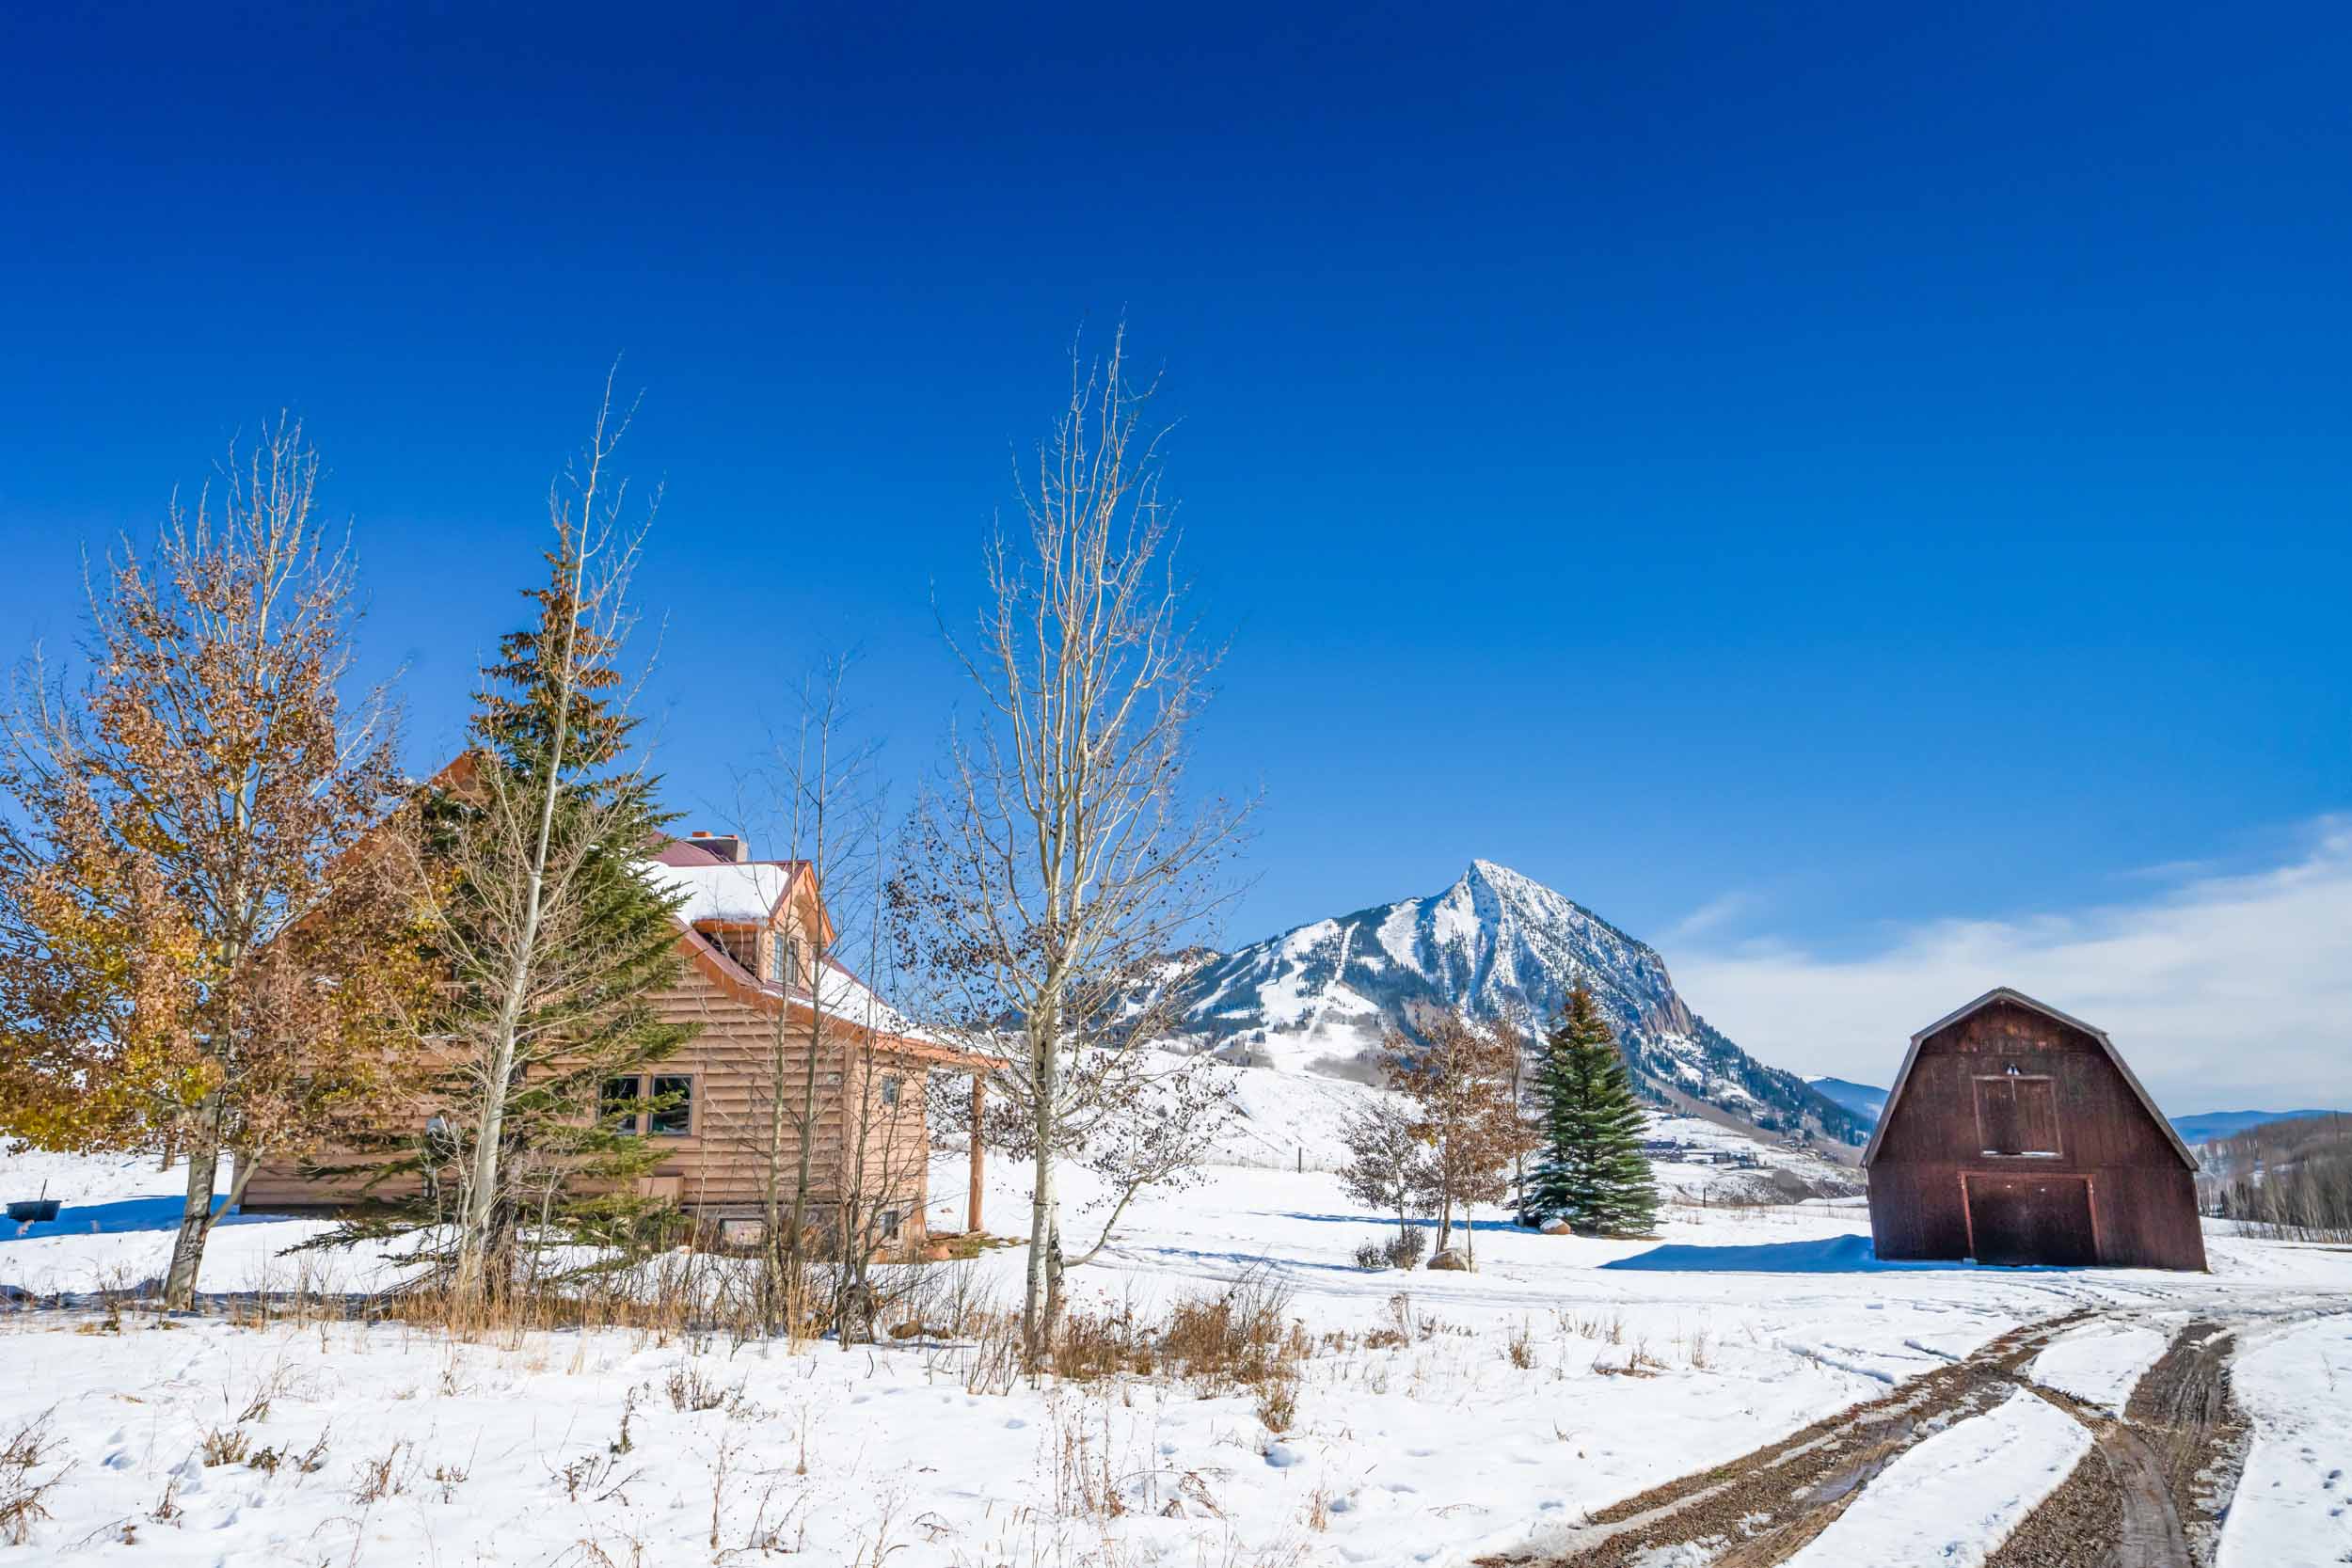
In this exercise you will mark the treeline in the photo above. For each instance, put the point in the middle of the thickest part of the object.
(233, 932)
(2291, 1179)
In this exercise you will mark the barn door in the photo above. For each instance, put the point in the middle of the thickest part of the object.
(2016, 1220)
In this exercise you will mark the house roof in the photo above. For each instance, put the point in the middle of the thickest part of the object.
(2004, 993)
(731, 892)
(842, 995)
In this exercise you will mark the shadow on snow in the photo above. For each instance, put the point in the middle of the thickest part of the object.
(1830, 1254)
(123, 1215)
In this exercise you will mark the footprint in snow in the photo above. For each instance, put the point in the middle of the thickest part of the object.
(1016, 1424)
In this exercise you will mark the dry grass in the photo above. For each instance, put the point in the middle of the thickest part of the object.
(21, 1496)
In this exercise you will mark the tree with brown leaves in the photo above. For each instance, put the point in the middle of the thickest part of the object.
(1458, 1078)
(192, 962)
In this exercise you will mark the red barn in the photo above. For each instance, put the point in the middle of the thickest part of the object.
(2016, 1134)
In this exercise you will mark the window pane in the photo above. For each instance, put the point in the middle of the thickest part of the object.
(2017, 1116)
(2037, 1116)
(614, 1098)
(1996, 1115)
(675, 1118)
(890, 1091)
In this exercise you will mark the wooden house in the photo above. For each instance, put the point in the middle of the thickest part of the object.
(2016, 1134)
(755, 976)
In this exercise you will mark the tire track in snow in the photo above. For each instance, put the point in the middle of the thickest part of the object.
(1759, 1508)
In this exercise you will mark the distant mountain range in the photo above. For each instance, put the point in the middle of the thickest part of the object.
(1494, 946)
(2206, 1127)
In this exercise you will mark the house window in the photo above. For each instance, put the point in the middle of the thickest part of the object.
(890, 1090)
(887, 1224)
(783, 961)
(674, 1116)
(2017, 1116)
(671, 1116)
(617, 1098)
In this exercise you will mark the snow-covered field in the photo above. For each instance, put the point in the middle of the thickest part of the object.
(1547, 1385)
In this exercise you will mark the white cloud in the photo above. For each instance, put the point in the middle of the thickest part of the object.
(2223, 991)
(1715, 912)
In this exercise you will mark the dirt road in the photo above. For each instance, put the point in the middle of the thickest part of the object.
(2148, 1495)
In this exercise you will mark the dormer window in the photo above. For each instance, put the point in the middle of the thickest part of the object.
(783, 961)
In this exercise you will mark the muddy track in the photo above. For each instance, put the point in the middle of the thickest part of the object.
(1757, 1508)
(2153, 1492)
(2195, 1434)
(2113, 1512)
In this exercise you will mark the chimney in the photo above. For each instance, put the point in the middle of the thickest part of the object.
(726, 847)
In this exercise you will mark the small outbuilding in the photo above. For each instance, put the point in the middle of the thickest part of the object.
(2016, 1134)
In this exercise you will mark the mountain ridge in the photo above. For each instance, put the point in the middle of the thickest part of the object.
(1495, 944)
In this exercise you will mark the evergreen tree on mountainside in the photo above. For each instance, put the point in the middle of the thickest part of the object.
(1590, 1170)
(569, 1143)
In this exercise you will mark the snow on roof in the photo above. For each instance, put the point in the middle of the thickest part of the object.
(845, 996)
(725, 890)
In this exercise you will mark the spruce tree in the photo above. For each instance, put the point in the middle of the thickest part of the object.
(1590, 1170)
(570, 1152)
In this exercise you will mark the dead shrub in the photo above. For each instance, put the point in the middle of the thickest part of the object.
(1242, 1335)
(1519, 1347)
(21, 1505)
(225, 1446)
(380, 1478)
(1278, 1403)
(690, 1390)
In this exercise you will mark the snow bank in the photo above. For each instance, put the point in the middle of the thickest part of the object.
(2295, 1501)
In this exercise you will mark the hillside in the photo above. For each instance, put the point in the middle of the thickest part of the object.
(1863, 1100)
(1496, 944)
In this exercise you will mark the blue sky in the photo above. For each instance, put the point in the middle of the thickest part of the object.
(1786, 478)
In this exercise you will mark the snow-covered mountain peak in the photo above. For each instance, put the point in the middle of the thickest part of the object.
(1496, 944)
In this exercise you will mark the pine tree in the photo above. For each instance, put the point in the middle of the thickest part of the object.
(1591, 1171)
(568, 1151)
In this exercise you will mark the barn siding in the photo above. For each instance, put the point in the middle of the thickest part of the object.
(2142, 1197)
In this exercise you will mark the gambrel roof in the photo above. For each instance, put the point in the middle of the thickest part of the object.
(2003, 993)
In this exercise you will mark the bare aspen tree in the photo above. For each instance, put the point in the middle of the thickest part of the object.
(1058, 865)
(821, 800)
(886, 1151)
(523, 949)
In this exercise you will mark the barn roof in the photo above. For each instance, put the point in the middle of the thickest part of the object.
(2003, 993)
